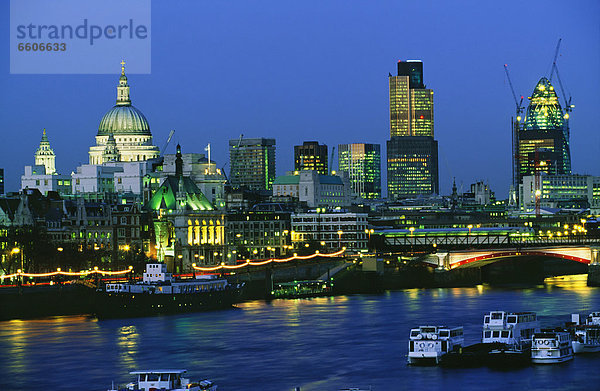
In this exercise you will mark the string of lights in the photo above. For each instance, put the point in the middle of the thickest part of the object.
(62, 273)
(267, 261)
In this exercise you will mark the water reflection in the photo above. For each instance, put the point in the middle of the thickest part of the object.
(127, 342)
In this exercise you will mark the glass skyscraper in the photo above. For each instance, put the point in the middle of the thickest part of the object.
(412, 160)
(543, 137)
(252, 162)
(311, 156)
(362, 164)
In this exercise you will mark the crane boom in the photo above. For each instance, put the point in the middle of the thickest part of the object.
(171, 133)
(518, 104)
(555, 58)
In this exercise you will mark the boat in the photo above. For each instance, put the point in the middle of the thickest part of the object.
(428, 344)
(506, 342)
(165, 380)
(551, 347)
(585, 333)
(161, 293)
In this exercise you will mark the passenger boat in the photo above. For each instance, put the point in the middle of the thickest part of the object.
(551, 347)
(585, 333)
(165, 380)
(160, 293)
(428, 344)
(514, 332)
(506, 341)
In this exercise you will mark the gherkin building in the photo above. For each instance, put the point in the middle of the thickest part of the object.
(543, 137)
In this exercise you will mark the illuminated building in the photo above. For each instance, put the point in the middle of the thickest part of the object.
(252, 163)
(412, 161)
(258, 234)
(311, 156)
(561, 191)
(330, 230)
(412, 167)
(411, 104)
(361, 163)
(123, 134)
(188, 229)
(543, 136)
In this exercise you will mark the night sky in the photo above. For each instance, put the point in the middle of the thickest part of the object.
(318, 70)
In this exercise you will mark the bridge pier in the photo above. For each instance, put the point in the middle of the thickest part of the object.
(594, 268)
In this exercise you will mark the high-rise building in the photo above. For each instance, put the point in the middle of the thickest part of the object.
(543, 137)
(412, 161)
(252, 163)
(311, 156)
(411, 104)
(362, 164)
(412, 166)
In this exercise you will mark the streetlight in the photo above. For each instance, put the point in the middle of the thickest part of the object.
(470, 226)
(340, 232)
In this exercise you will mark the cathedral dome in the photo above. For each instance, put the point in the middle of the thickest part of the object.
(124, 120)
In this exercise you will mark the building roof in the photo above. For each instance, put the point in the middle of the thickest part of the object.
(330, 180)
(544, 111)
(167, 195)
(287, 180)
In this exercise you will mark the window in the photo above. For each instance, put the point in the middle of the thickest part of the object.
(505, 334)
(496, 334)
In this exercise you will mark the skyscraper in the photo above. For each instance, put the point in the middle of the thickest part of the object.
(252, 163)
(411, 151)
(543, 137)
(412, 166)
(311, 156)
(362, 164)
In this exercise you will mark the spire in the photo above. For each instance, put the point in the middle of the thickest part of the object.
(123, 88)
(178, 162)
(44, 156)
(111, 152)
(44, 137)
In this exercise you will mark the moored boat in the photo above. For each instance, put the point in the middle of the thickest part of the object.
(428, 344)
(514, 332)
(551, 347)
(165, 380)
(585, 333)
(160, 293)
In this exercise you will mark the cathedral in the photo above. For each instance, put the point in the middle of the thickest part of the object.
(124, 134)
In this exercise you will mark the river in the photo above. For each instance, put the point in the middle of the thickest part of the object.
(315, 344)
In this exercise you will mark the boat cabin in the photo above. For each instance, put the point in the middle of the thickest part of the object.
(155, 273)
(169, 379)
(510, 328)
(429, 343)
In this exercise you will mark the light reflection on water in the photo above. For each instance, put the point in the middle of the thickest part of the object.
(317, 344)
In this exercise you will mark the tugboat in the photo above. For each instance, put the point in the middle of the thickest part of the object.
(167, 380)
(160, 293)
(551, 347)
(585, 333)
(506, 342)
(428, 344)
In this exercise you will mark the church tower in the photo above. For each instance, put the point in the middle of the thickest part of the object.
(44, 156)
(111, 152)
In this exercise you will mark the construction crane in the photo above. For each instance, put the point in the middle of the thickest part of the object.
(331, 161)
(538, 184)
(554, 70)
(516, 126)
(240, 140)
(171, 133)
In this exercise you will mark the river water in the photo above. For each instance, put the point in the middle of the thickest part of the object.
(314, 344)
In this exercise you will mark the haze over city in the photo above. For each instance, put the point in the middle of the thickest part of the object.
(318, 71)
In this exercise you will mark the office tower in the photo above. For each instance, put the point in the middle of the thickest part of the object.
(412, 166)
(411, 151)
(543, 137)
(362, 164)
(252, 163)
(311, 156)
(411, 104)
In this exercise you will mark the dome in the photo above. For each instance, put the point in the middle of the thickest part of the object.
(124, 120)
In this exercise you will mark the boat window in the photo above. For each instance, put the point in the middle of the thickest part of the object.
(164, 377)
(511, 319)
(505, 334)
(487, 334)
(414, 333)
(428, 329)
(444, 333)
(152, 377)
(142, 377)
(412, 346)
(496, 315)
(496, 334)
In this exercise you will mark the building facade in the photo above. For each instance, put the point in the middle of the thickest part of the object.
(412, 162)
(252, 163)
(311, 156)
(330, 231)
(543, 137)
(258, 234)
(561, 192)
(412, 167)
(314, 189)
(361, 163)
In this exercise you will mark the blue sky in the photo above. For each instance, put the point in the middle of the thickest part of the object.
(317, 70)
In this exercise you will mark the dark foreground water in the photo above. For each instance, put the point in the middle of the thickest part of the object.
(315, 344)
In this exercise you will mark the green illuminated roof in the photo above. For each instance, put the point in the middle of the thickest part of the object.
(287, 180)
(167, 195)
(544, 111)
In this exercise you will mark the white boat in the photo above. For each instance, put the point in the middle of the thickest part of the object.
(551, 347)
(513, 333)
(585, 333)
(429, 343)
(165, 380)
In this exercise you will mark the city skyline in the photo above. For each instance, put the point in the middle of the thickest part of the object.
(471, 91)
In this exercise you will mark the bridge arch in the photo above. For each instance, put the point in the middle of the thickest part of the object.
(481, 258)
